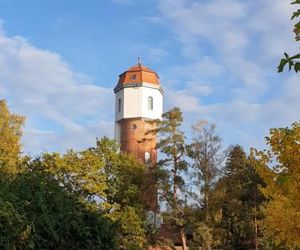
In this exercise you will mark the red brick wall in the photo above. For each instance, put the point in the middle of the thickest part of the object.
(132, 133)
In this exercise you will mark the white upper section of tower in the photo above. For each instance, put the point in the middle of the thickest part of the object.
(140, 101)
(138, 94)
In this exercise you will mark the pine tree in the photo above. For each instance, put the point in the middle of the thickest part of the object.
(240, 209)
(171, 167)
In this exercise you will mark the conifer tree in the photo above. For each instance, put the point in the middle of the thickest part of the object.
(171, 182)
(240, 209)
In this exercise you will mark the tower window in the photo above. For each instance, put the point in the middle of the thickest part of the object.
(133, 77)
(147, 157)
(150, 102)
(119, 105)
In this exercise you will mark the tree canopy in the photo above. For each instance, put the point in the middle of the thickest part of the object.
(10, 137)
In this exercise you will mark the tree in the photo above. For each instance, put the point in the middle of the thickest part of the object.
(292, 61)
(279, 167)
(241, 201)
(171, 181)
(124, 199)
(204, 152)
(10, 136)
(36, 212)
(107, 181)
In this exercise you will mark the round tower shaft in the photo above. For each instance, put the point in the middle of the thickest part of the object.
(138, 98)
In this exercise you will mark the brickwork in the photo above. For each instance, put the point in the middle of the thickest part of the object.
(132, 132)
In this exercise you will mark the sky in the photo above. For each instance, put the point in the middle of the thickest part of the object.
(217, 59)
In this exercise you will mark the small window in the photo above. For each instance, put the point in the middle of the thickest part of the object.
(147, 157)
(133, 77)
(119, 105)
(150, 102)
(134, 127)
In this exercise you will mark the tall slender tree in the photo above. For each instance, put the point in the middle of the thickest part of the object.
(241, 201)
(171, 167)
(206, 157)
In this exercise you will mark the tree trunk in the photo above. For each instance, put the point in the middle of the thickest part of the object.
(255, 224)
(183, 239)
(255, 236)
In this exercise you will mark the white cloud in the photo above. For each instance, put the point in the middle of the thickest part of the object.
(62, 109)
(234, 46)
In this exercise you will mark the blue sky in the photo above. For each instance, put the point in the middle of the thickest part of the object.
(59, 62)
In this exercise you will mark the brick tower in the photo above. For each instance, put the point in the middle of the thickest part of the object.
(138, 98)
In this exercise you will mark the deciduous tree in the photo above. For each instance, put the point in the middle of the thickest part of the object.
(10, 137)
(206, 157)
(279, 167)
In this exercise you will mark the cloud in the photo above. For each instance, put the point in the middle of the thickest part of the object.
(232, 48)
(63, 109)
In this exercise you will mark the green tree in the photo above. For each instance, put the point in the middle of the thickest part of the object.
(171, 167)
(36, 212)
(106, 180)
(124, 193)
(10, 136)
(293, 62)
(241, 201)
(279, 167)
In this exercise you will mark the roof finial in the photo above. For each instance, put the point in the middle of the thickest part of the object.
(139, 61)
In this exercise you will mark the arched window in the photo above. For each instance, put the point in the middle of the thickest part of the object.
(147, 157)
(150, 102)
(134, 127)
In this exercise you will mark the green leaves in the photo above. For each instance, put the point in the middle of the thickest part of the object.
(37, 213)
(293, 62)
(171, 168)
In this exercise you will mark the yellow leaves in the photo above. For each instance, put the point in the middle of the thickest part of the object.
(282, 220)
(81, 171)
(282, 212)
(10, 135)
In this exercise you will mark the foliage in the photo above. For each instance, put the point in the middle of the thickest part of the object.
(240, 208)
(10, 135)
(37, 213)
(171, 182)
(124, 180)
(293, 62)
(202, 237)
(204, 152)
(104, 179)
(279, 167)
(124, 175)
(131, 232)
